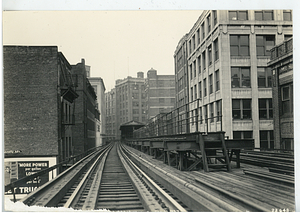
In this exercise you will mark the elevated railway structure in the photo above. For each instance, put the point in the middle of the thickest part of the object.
(118, 177)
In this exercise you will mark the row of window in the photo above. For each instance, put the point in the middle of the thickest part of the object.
(261, 15)
(211, 20)
(239, 46)
(213, 54)
(242, 109)
(205, 28)
(240, 77)
(266, 138)
(212, 80)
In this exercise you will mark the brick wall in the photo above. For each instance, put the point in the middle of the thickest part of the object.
(30, 100)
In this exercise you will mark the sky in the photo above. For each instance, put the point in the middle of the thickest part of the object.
(116, 44)
(116, 39)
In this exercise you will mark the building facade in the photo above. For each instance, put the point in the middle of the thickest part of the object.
(99, 88)
(39, 97)
(160, 93)
(130, 101)
(228, 77)
(281, 65)
(84, 134)
(110, 124)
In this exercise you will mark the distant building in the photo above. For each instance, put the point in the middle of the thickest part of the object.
(84, 134)
(39, 97)
(160, 93)
(282, 68)
(110, 124)
(130, 101)
(99, 88)
(229, 82)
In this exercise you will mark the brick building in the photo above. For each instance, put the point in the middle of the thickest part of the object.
(281, 64)
(39, 97)
(84, 130)
(228, 77)
(160, 93)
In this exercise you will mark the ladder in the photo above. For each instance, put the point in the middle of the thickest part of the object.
(210, 145)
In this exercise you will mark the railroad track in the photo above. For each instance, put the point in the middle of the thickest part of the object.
(107, 179)
(223, 191)
(276, 162)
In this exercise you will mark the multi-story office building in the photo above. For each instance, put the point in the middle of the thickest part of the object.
(160, 93)
(110, 124)
(99, 88)
(130, 100)
(227, 56)
(281, 65)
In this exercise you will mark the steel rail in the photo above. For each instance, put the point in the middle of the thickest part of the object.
(75, 195)
(225, 206)
(167, 199)
(34, 197)
(233, 196)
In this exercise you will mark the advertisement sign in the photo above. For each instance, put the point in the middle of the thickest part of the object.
(15, 170)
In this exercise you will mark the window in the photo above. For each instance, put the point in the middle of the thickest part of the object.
(242, 135)
(219, 109)
(264, 15)
(198, 36)
(264, 77)
(161, 100)
(241, 108)
(264, 44)
(238, 15)
(287, 99)
(217, 79)
(191, 71)
(194, 43)
(203, 31)
(240, 77)
(195, 72)
(266, 140)
(215, 17)
(265, 108)
(205, 112)
(210, 84)
(135, 95)
(200, 90)
(208, 23)
(239, 45)
(287, 143)
(200, 115)
(287, 15)
(203, 60)
(195, 91)
(199, 63)
(216, 46)
(204, 87)
(209, 55)
(211, 109)
(287, 37)
(192, 94)
(190, 46)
